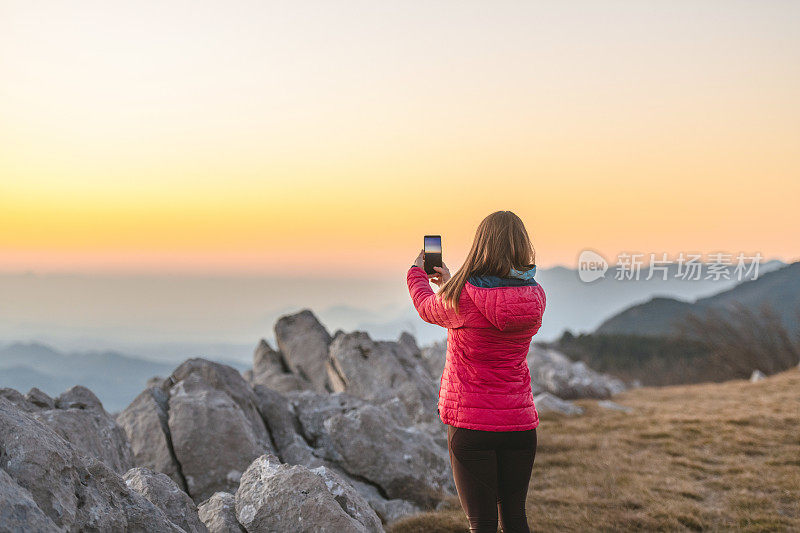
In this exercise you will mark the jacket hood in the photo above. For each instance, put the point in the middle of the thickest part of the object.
(512, 302)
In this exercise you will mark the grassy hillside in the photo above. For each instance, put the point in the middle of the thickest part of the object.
(722, 456)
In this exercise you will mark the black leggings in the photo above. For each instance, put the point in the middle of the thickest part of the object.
(492, 470)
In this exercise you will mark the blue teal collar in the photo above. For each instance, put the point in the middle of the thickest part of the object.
(516, 278)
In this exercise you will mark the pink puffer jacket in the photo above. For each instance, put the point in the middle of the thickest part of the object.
(486, 383)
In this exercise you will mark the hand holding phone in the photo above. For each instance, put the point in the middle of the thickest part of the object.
(432, 253)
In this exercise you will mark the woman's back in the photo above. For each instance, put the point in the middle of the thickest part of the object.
(486, 382)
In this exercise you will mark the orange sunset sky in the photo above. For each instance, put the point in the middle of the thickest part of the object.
(326, 138)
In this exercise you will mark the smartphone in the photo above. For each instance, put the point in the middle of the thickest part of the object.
(433, 253)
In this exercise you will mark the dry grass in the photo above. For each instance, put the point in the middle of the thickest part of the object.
(722, 456)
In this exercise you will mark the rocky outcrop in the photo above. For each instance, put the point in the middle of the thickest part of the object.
(18, 510)
(213, 428)
(274, 496)
(218, 513)
(381, 371)
(365, 441)
(165, 494)
(303, 342)
(546, 402)
(433, 355)
(146, 424)
(271, 370)
(76, 492)
(78, 416)
(554, 372)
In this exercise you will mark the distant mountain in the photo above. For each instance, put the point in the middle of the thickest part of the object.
(780, 289)
(115, 378)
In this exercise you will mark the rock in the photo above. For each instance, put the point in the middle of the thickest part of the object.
(554, 372)
(211, 429)
(351, 501)
(387, 510)
(76, 492)
(278, 497)
(111, 506)
(213, 439)
(303, 342)
(225, 379)
(218, 513)
(404, 462)
(381, 371)
(165, 494)
(278, 413)
(18, 511)
(608, 404)
(78, 397)
(546, 402)
(434, 356)
(367, 443)
(40, 399)
(79, 418)
(16, 398)
(145, 422)
(757, 375)
(270, 369)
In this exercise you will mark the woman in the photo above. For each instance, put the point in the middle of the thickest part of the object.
(491, 308)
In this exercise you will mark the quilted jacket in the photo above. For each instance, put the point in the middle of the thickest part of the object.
(486, 383)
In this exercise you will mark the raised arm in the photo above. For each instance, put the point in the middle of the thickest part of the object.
(429, 307)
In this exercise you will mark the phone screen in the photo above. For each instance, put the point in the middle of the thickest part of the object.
(433, 253)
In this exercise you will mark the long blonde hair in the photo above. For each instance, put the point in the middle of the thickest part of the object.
(501, 242)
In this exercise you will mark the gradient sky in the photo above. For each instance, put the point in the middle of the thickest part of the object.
(302, 137)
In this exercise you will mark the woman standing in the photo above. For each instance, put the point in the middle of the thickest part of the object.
(491, 308)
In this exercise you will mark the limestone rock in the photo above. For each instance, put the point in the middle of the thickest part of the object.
(76, 492)
(211, 429)
(554, 372)
(165, 494)
(79, 417)
(218, 513)
(145, 422)
(303, 342)
(271, 370)
(546, 402)
(382, 370)
(277, 497)
(40, 399)
(18, 511)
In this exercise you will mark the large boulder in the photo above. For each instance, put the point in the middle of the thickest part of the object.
(218, 513)
(271, 370)
(303, 342)
(381, 371)
(165, 494)
(554, 372)
(434, 356)
(366, 441)
(274, 496)
(146, 423)
(78, 416)
(213, 427)
(291, 445)
(546, 402)
(18, 510)
(77, 492)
